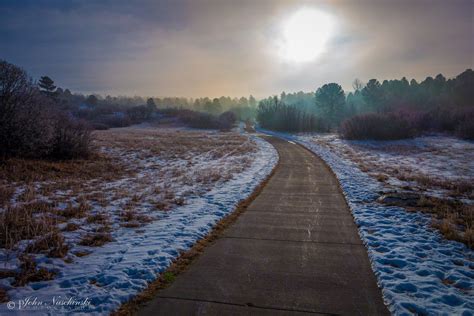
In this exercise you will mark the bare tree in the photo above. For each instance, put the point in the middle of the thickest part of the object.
(357, 84)
(29, 119)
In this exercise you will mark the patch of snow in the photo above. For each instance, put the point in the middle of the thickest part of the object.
(418, 270)
(122, 268)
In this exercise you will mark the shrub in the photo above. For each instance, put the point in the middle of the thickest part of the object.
(31, 124)
(448, 120)
(227, 120)
(99, 126)
(114, 120)
(72, 138)
(377, 127)
(25, 121)
(202, 120)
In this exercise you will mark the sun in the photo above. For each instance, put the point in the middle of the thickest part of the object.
(305, 35)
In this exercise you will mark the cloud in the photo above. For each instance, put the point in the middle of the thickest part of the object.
(198, 48)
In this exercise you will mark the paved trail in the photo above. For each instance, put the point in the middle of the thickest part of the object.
(295, 251)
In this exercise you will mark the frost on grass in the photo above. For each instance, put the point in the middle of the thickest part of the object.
(419, 271)
(103, 228)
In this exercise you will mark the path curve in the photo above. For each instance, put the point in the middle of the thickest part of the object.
(294, 251)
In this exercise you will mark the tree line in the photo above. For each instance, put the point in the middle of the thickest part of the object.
(434, 104)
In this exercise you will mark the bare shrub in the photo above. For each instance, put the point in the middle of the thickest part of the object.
(31, 124)
(377, 127)
(227, 120)
(72, 138)
(25, 121)
(203, 120)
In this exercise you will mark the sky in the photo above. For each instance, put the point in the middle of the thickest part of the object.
(198, 48)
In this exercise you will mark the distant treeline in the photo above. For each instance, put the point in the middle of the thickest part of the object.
(121, 111)
(435, 104)
(275, 115)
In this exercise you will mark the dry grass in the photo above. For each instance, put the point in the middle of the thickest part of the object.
(29, 272)
(437, 173)
(6, 193)
(99, 218)
(96, 240)
(78, 211)
(53, 244)
(82, 253)
(70, 227)
(133, 169)
(3, 296)
(27, 171)
(453, 219)
(20, 224)
(182, 263)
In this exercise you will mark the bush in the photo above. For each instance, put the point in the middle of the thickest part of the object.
(227, 120)
(72, 138)
(25, 115)
(113, 120)
(31, 125)
(99, 126)
(202, 120)
(377, 127)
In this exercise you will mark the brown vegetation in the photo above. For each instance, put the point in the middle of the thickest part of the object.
(29, 272)
(45, 200)
(96, 240)
(182, 263)
(452, 218)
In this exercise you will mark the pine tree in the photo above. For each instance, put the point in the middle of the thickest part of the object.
(47, 86)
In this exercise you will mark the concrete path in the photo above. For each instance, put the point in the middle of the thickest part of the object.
(295, 251)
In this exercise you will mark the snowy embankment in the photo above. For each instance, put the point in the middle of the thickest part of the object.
(419, 271)
(115, 272)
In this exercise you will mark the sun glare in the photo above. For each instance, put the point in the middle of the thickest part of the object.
(305, 35)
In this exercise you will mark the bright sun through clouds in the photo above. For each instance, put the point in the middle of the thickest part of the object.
(305, 35)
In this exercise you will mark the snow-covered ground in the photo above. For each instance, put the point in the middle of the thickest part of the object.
(438, 166)
(181, 193)
(418, 270)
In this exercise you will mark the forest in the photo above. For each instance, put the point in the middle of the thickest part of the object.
(41, 119)
(393, 109)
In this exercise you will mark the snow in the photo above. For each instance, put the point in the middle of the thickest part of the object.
(122, 268)
(417, 270)
(438, 161)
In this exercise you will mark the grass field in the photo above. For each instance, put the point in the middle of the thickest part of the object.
(67, 209)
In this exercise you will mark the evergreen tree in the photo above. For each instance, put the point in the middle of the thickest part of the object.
(331, 100)
(47, 86)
